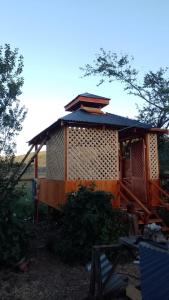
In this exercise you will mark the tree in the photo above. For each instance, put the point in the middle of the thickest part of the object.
(154, 88)
(11, 113)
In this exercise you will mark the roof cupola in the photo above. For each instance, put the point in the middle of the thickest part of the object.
(88, 101)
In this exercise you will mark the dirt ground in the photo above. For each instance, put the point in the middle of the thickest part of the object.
(48, 278)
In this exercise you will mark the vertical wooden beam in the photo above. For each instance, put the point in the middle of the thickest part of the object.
(36, 200)
(147, 169)
(36, 164)
(118, 161)
(66, 151)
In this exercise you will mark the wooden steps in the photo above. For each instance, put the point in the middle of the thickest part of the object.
(146, 214)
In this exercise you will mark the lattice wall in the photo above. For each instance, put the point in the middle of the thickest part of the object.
(153, 156)
(55, 156)
(92, 154)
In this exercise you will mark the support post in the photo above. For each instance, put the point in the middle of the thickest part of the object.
(36, 199)
(36, 163)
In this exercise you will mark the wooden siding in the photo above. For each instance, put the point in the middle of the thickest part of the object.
(54, 192)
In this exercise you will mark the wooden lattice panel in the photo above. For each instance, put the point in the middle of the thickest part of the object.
(92, 154)
(153, 156)
(55, 156)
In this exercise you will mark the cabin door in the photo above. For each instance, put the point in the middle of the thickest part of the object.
(134, 174)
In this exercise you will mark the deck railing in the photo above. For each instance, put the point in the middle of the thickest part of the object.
(133, 198)
(163, 194)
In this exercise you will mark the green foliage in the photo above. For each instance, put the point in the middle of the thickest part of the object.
(88, 219)
(11, 82)
(153, 89)
(12, 232)
(163, 147)
(13, 235)
(164, 214)
(23, 207)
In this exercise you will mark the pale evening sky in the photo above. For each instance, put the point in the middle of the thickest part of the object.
(57, 37)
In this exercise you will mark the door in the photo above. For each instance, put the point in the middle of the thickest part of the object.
(138, 174)
(133, 169)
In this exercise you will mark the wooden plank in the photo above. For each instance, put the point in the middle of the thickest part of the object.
(147, 169)
(52, 192)
(159, 130)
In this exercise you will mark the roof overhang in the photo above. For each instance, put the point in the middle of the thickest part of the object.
(86, 101)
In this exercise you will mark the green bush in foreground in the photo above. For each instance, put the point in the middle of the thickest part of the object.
(24, 206)
(13, 234)
(88, 219)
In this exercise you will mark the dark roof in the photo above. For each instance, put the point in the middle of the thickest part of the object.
(88, 95)
(82, 117)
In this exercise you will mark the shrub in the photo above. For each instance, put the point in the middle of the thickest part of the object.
(164, 214)
(88, 219)
(24, 207)
(13, 234)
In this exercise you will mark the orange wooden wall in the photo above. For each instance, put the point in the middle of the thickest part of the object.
(54, 192)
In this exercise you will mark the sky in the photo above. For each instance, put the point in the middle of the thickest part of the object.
(57, 37)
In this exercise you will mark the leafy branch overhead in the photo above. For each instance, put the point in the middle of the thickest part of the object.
(12, 113)
(154, 88)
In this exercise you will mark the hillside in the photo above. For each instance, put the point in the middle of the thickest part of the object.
(41, 158)
(29, 174)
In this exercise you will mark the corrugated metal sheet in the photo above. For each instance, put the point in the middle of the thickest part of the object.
(154, 267)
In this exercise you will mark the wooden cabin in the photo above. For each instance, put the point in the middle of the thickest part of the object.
(118, 154)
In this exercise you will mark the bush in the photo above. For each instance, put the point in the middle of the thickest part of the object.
(24, 207)
(164, 214)
(88, 219)
(13, 233)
